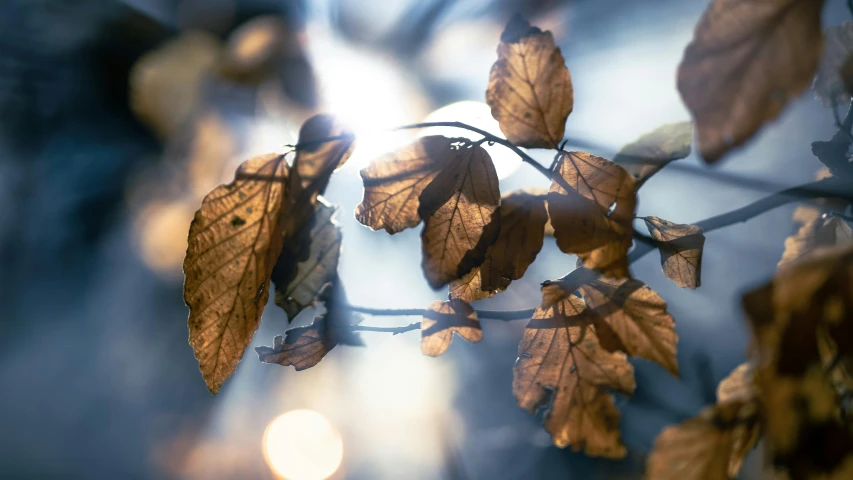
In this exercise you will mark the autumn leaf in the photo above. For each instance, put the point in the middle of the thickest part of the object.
(394, 182)
(461, 216)
(806, 305)
(816, 231)
(654, 150)
(523, 217)
(234, 242)
(530, 89)
(746, 61)
(442, 319)
(710, 446)
(629, 317)
(308, 261)
(591, 205)
(304, 347)
(315, 162)
(680, 250)
(560, 360)
(837, 47)
(738, 386)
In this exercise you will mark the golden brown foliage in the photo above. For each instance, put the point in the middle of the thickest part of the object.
(802, 325)
(394, 182)
(442, 319)
(530, 89)
(560, 360)
(654, 150)
(746, 61)
(816, 231)
(316, 161)
(680, 250)
(234, 242)
(522, 230)
(591, 204)
(460, 208)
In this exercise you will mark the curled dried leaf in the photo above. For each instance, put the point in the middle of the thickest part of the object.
(680, 250)
(233, 244)
(460, 208)
(738, 386)
(442, 319)
(522, 230)
(815, 232)
(560, 360)
(304, 347)
(710, 446)
(530, 89)
(591, 204)
(308, 261)
(654, 150)
(746, 61)
(394, 182)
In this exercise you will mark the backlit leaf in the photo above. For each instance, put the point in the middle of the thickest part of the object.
(560, 361)
(315, 162)
(304, 347)
(530, 89)
(815, 232)
(394, 182)
(442, 319)
(680, 250)
(738, 386)
(308, 261)
(591, 204)
(746, 61)
(461, 216)
(234, 242)
(654, 150)
(523, 217)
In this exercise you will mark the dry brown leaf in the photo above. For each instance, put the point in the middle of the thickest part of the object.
(680, 250)
(304, 347)
(308, 261)
(523, 217)
(710, 446)
(315, 162)
(808, 304)
(636, 316)
(234, 242)
(530, 89)
(560, 360)
(461, 216)
(837, 47)
(746, 61)
(591, 204)
(442, 319)
(394, 182)
(815, 232)
(654, 150)
(738, 386)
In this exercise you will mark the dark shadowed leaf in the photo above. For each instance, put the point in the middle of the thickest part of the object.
(530, 89)
(746, 61)
(308, 261)
(460, 208)
(442, 319)
(234, 242)
(316, 162)
(523, 217)
(394, 182)
(654, 150)
(304, 347)
(560, 361)
(591, 204)
(680, 250)
(837, 47)
(628, 315)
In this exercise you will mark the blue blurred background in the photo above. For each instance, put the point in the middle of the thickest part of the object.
(118, 116)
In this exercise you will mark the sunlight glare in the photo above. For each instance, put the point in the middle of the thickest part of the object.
(476, 114)
(302, 445)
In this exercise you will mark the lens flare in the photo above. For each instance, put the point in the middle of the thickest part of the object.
(302, 445)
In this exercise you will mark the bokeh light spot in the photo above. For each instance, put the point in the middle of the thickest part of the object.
(302, 445)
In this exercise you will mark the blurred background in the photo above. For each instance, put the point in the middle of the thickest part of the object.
(119, 116)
